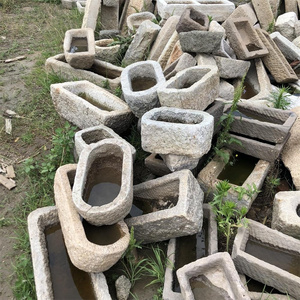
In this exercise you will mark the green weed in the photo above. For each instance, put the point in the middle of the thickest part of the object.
(272, 183)
(279, 98)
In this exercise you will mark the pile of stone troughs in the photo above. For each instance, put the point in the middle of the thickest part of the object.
(178, 78)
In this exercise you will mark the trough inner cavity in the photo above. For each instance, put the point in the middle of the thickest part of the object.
(248, 91)
(95, 136)
(256, 286)
(238, 169)
(189, 249)
(103, 183)
(102, 235)
(281, 258)
(142, 83)
(79, 44)
(68, 282)
(247, 35)
(94, 102)
(203, 291)
(179, 118)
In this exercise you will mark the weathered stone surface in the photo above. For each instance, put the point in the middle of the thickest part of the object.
(176, 201)
(208, 179)
(214, 26)
(291, 6)
(183, 62)
(224, 50)
(105, 52)
(179, 162)
(84, 254)
(296, 41)
(74, 40)
(111, 161)
(68, 4)
(142, 40)
(243, 39)
(264, 13)
(175, 54)
(275, 61)
(168, 130)
(290, 153)
(192, 19)
(260, 270)
(135, 20)
(163, 37)
(231, 68)
(81, 6)
(123, 287)
(289, 50)
(110, 16)
(156, 165)
(285, 216)
(38, 221)
(140, 82)
(226, 90)
(285, 25)
(92, 9)
(100, 72)
(85, 104)
(200, 41)
(297, 28)
(217, 272)
(93, 135)
(212, 247)
(205, 59)
(191, 88)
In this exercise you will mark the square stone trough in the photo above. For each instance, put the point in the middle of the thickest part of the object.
(268, 256)
(170, 206)
(211, 240)
(100, 72)
(212, 277)
(243, 39)
(93, 135)
(86, 104)
(102, 192)
(192, 88)
(38, 221)
(286, 213)
(86, 252)
(262, 123)
(105, 52)
(140, 82)
(218, 9)
(79, 48)
(208, 178)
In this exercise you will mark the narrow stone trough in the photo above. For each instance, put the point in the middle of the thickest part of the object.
(184, 102)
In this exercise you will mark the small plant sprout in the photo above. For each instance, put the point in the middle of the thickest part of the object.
(279, 98)
(272, 182)
(210, 18)
(228, 217)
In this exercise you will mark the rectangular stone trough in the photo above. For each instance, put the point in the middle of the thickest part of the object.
(243, 39)
(170, 206)
(100, 72)
(263, 123)
(268, 256)
(215, 171)
(38, 221)
(86, 104)
(211, 247)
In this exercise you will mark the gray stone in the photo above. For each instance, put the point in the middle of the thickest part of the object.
(285, 216)
(81, 6)
(200, 41)
(243, 39)
(291, 6)
(179, 162)
(100, 73)
(211, 276)
(192, 88)
(290, 153)
(260, 270)
(224, 50)
(192, 19)
(92, 9)
(135, 20)
(38, 221)
(231, 68)
(110, 16)
(110, 160)
(176, 201)
(142, 41)
(140, 82)
(163, 37)
(84, 254)
(296, 41)
(86, 104)
(214, 26)
(264, 13)
(68, 4)
(211, 248)
(74, 41)
(106, 53)
(123, 287)
(289, 50)
(275, 61)
(168, 130)
(285, 25)
(205, 60)
(155, 164)
(226, 90)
